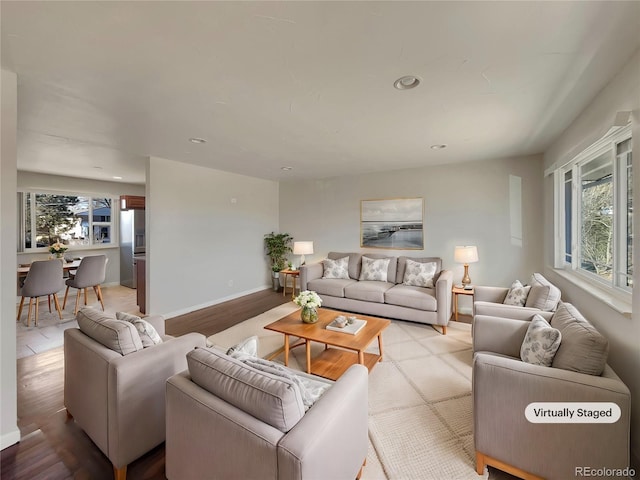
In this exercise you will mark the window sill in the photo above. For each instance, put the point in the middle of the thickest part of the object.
(621, 305)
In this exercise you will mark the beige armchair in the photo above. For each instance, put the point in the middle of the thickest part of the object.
(251, 435)
(119, 400)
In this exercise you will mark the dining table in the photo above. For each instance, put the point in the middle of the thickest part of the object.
(23, 269)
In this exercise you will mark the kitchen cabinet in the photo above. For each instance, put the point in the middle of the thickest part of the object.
(131, 202)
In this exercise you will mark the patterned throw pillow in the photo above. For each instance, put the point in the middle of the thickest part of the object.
(148, 335)
(336, 268)
(517, 294)
(419, 274)
(374, 269)
(541, 343)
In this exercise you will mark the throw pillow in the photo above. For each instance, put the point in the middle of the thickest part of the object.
(543, 295)
(148, 334)
(419, 274)
(541, 343)
(246, 348)
(517, 294)
(117, 335)
(374, 269)
(336, 268)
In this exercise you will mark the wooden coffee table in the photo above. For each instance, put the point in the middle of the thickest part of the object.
(332, 362)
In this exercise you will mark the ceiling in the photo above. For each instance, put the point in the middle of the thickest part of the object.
(307, 85)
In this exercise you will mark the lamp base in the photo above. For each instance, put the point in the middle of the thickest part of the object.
(465, 279)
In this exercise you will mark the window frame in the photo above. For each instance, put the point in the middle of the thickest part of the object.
(92, 245)
(621, 168)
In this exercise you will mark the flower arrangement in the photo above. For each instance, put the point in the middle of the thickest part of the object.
(308, 299)
(58, 249)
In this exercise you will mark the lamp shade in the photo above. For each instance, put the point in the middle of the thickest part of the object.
(302, 248)
(466, 254)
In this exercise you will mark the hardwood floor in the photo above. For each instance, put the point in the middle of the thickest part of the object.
(53, 447)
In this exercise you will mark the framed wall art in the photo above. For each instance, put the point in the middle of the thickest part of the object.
(392, 223)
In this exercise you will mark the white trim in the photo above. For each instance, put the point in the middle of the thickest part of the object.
(10, 438)
(193, 308)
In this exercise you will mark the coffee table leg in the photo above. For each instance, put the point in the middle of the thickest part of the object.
(308, 347)
(286, 350)
(361, 357)
(380, 346)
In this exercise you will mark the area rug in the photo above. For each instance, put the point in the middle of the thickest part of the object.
(420, 419)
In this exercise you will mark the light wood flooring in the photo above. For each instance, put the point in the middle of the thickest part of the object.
(53, 447)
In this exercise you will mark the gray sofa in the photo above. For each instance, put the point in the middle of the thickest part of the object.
(503, 387)
(118, 400)
(228, 420)
(389, 299)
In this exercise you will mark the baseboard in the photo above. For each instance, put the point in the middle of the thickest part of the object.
(193, 308)
(8, 439)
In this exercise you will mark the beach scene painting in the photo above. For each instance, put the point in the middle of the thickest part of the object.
(392, 223)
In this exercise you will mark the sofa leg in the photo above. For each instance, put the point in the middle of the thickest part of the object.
(443, 327)
(483, 460)
(361, 468)
(120, 473)
(69, 416)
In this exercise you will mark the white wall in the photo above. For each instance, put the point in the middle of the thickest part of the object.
(205, 235)
(9, 433)
(60, 183)
(622, 94)
(465, 204)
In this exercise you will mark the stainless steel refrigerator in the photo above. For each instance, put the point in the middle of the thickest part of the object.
(132, 244)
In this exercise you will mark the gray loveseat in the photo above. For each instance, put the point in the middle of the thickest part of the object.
(390, 299)
(504, 385)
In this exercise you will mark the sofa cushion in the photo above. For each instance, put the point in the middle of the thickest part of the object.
(338, 268)
(543, 294)
(402, 263)
(540, 343)
(354, 262)
(418, 274)
(148, 334)
(412, 297)
(367, 291)
(583, 349)
(517, 294)
(328, 286)
(117, 335)
(375, 269)
(274, 400)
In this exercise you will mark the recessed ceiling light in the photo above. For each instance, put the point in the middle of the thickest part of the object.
(197, 140)
(438, 146)
(115, 177)
(98, 168)
(286, 169)
(407, 82)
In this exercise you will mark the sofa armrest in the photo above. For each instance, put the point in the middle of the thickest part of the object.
(483, 293)
(443, 296)
(136, 396)
(509, 311)
(331, 440)
(502, 389)
(308, 273)
(498, 335)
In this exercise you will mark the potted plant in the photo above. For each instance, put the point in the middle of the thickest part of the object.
(277, 246)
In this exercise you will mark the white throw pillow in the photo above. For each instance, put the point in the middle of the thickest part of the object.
(517, 294)
(541, 342)
(148, 334)
(336, 268)
(374, 269)
(419, 274)
(246, 348)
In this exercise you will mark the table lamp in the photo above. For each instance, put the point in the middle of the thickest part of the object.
(466, 254)
(302, 249)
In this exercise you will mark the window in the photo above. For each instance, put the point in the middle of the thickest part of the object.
(74, 220)
(595, 227)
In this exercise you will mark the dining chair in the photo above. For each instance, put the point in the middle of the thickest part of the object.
(44, 278)
(90, 273)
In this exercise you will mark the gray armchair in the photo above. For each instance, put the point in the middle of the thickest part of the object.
(209, 437)
(119, 400)
(503, 386)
